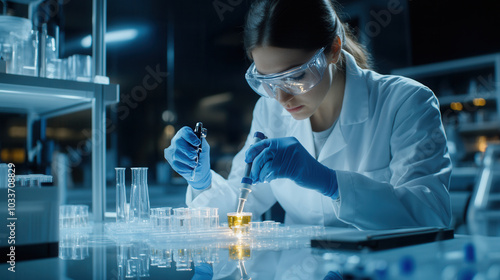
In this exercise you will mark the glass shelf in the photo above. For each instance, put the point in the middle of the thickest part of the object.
(50, 97)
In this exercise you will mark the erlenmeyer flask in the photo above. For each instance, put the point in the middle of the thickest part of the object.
(139, 196)
(121, 199)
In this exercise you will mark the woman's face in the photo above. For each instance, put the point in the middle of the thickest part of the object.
(271, 60)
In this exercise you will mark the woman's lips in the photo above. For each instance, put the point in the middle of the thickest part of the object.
(295, 109)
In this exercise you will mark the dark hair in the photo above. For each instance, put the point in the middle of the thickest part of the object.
(299, 24)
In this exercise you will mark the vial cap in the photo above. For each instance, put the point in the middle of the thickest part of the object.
(246, 180)
(407, 265)
(259, 135)
(469, 253)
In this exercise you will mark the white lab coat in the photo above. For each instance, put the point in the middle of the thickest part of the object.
(388, 149)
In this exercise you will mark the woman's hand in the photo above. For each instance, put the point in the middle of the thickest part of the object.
(287, 158)
(182, 155)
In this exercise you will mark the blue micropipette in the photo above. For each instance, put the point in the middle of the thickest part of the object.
(246, 182)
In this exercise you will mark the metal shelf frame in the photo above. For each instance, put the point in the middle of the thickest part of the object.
(42, 98)
(457, 66)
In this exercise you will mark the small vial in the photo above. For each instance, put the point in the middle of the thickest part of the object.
(205, 216)
(254, 227)
(181, 220)
(239, 219)
(267, 226)
(164, 219)
(195, 219)
(214, 218)
(153, 214)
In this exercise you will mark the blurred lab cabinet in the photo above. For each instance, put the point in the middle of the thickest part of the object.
(469, 98)
(43, 98)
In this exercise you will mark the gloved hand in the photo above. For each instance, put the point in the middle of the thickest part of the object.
(182, 155)
(203, 271)
(287, 158)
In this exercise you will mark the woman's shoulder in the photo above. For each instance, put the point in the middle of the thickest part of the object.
(397, 89)
(384, 82)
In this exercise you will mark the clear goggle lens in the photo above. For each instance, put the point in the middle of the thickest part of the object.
(295, 81)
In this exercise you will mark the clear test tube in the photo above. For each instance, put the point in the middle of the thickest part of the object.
(135, 195)
(181, 220)
(254, 227)
(121, 199)
(205, 218)
(164, 218)
(132, 269)
(165, 258)
(267, 227)
(81, 215)
(214, 218)
(153, 217)
(154, 254)
(183, 260)
(65, 216)
(275, 227)
(195, 219)
(144, 260)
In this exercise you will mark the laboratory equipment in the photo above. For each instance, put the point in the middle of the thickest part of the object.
(32, 180)
(239, 222)
(214, 218)
(121, 198)
(73, 216)
(183, 259)
(484, 210)
(139, 196)
(73, 246)
(205, 218)
(200, 132)
(239, 251)
(181, 220)
(13, 32)
(246, 182)
(80, 68)
(164, 219)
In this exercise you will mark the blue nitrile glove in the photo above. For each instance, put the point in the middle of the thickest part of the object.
(182, 155)
(287, 158)
(204, 271)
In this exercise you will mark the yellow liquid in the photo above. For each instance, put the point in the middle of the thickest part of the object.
(241, 219)
(239, 251)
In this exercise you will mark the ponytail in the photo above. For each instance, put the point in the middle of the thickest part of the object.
(353, 47)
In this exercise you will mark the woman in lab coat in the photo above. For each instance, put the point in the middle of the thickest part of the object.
(346, 146)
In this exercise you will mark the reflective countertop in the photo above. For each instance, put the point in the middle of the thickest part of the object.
(107, 252)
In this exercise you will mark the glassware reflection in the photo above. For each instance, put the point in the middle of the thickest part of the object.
(73, 246)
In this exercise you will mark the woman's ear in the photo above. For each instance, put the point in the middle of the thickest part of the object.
(335, 49)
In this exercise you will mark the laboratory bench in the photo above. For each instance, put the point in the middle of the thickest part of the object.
(102, 252)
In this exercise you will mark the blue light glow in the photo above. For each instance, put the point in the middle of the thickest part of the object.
(113, 37)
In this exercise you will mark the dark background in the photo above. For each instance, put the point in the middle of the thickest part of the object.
(207, 81)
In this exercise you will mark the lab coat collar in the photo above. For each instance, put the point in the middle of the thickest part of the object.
(355, 104)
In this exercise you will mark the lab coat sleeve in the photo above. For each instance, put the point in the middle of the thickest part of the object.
(224, 194)
(417, 194)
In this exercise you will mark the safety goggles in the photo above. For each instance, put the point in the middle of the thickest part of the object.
(295, 81)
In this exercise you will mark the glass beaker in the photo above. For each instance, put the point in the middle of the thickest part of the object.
(120, 195)
(139, 196)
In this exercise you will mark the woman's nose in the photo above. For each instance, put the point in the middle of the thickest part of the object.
(282, 96)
